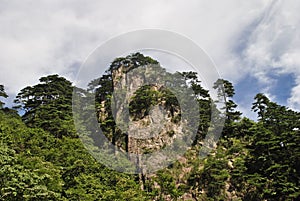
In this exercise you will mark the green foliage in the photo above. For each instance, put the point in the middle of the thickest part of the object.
(2, 94)
(48, 105)
(40, 159)
(23, 175)
(211, 178)
(146, 97)
(34, 165)
(260, 105)
(273, 163)
(167, 185)
(132, 61)
(226, 92)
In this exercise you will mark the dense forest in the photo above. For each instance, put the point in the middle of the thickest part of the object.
(42, 156)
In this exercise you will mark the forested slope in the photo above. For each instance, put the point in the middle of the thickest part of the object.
(43, 158)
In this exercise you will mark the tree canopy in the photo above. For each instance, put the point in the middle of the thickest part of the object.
(42, 158)
(48, 105)
(2, 94)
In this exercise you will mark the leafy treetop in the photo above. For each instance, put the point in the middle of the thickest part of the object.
(2, 94)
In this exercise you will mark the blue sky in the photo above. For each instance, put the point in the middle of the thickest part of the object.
(280, 90)
(282, 87)
(255, 44)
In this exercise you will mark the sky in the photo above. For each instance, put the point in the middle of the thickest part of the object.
(254, 44)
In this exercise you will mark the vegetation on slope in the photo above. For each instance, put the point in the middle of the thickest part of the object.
(42, 158)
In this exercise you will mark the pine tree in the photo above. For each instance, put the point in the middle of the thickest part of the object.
(226, 92)
(260, 105)
(48, 105)
(2, 94)
(274, 152)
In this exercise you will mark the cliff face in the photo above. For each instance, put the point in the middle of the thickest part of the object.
(143, 115)
(145, 120)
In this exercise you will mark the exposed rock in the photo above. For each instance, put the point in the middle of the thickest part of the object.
(154, 130)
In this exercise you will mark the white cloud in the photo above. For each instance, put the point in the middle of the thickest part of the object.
(242, 37)
(294, 100)
(274, 46)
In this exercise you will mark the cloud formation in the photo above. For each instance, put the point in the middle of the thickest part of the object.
(242, 37)
(273, 46)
